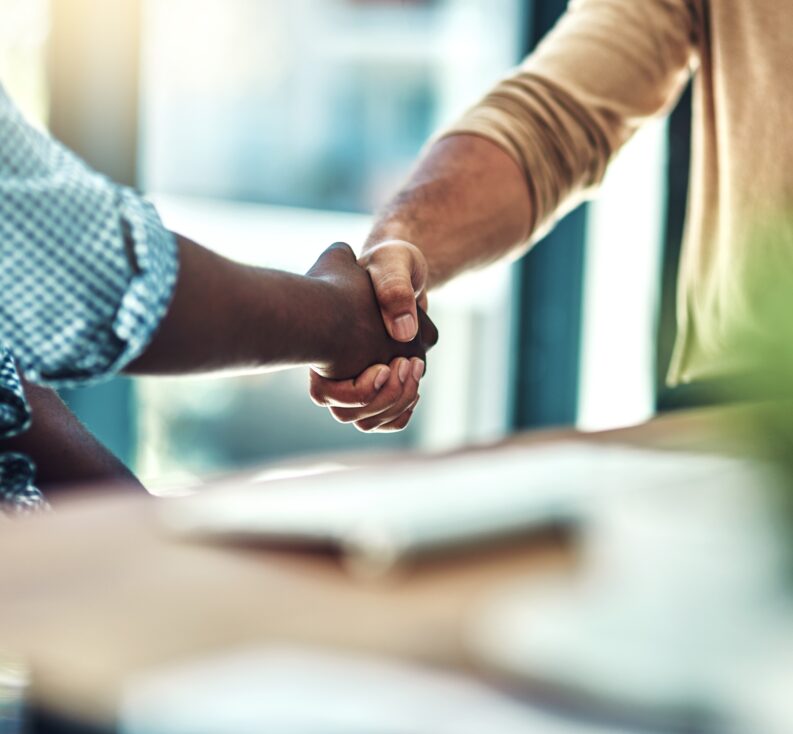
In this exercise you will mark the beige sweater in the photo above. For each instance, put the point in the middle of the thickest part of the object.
(609, 66)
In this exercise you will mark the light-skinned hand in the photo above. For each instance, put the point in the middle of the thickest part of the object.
(384, 397)
(360, 339)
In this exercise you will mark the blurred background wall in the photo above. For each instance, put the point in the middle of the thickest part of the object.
(268, 129)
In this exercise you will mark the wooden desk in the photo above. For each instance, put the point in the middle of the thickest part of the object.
(95, 593)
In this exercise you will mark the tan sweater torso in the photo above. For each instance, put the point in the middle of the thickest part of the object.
(612, 64)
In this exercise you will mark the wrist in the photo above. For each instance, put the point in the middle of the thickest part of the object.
(293, 317)
(324, 327)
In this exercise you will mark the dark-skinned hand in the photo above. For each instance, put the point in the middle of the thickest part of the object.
(360, 337)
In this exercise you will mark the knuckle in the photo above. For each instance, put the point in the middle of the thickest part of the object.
(400, 424)
(388, 251)
(404, 420)
(394, 289)
(403, 411)
(366, 426)
(317, 396)
(342, 416)
(341, 248)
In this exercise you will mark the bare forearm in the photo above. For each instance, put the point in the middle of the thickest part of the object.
(227, 316)
(66, 454)
(466, 206)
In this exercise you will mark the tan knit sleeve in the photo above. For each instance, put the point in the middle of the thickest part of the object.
(608, 66)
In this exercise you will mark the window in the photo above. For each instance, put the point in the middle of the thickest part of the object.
(271, 129)
(622, 287)
(23, 34)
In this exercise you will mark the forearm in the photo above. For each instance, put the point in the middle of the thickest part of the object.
(466, 206)
(227, 316)
(65, 453)
(562, 115)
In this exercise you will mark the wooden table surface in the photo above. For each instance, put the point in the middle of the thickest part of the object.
(95, 593)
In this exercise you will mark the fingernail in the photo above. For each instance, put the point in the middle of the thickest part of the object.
(418, 369)
(404, 370)
(405, 327)
(382, 378)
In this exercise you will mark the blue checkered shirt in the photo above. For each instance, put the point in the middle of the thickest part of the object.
(86, 274)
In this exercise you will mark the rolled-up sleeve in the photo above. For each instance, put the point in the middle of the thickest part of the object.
(18, 494)
(87, 267)
(608, 66)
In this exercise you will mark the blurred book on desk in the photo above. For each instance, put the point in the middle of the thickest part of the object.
(383, 515)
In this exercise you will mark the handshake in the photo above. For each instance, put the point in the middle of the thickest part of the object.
(373, 365)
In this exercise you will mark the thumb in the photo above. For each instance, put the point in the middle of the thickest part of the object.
(399, 275)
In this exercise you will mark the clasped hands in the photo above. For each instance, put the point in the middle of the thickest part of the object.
(376, 364)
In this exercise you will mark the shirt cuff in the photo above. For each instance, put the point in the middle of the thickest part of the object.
(14, 408)
(156, 268)
(154, 264)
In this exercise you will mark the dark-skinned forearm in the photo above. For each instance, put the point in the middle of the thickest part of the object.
(227, 316)
(66, 454)
(466, 205)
